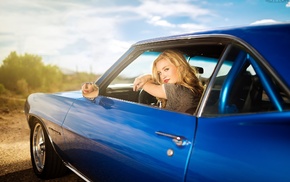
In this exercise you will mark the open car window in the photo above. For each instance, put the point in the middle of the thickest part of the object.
(121, 86)
(141, 65)
(208, 64)
(202, 57)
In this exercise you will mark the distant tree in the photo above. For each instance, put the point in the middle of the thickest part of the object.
(52, 78)
(22, 87)
(24, 74)
(28, 69)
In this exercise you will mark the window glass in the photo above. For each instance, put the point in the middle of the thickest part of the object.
(141, 65)
(208, 64)
(122, 86)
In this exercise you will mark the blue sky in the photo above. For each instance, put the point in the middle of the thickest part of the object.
(90, 35)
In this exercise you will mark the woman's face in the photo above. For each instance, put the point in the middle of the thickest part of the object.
(167, 71)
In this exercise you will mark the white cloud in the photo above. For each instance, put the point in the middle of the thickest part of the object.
(288, 5)
(264, 21)
(189, 27)
(75, 34)
(157, 21)
(53, 31)
(170, 8)
(159, 12)
(87, 35)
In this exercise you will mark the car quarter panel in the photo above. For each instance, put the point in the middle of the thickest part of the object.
(272, 43)
(252, 147)
(115, 140)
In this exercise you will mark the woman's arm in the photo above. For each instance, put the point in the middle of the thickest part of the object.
(146, 82)
(155, 90)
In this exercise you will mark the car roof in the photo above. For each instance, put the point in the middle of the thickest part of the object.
(272, 41)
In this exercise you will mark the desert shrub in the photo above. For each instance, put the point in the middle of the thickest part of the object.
(2, 89)
(22, 87)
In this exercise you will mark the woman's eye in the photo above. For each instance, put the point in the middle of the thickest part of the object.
(166, 69)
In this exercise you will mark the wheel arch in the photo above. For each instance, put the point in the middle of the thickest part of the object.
(31, 118)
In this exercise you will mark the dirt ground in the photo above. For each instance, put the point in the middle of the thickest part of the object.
(15, 164)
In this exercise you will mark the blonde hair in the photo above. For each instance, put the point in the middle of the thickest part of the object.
(187, 76)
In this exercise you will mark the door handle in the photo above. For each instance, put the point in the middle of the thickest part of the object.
(178, 140)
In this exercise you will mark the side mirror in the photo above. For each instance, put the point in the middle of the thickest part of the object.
(90, 90)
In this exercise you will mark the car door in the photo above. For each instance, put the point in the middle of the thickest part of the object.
(115, 138)
(243, 129)
(110, 139)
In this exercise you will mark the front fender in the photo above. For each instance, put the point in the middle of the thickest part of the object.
(50, 110)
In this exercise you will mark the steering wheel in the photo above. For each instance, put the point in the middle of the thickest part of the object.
(145, 98)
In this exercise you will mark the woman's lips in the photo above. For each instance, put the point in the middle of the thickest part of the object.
(166, 80)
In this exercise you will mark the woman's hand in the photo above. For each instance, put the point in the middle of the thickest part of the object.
(141, 81)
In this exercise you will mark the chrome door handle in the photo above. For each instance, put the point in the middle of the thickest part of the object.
(178, 140)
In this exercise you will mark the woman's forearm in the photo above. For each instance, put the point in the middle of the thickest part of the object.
(154, 89)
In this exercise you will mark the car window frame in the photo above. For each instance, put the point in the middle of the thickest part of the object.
(136, 49)
(227, 40)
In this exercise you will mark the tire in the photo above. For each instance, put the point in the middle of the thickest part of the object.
(45, 162)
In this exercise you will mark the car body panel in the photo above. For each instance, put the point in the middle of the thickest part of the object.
(51, 110)
(251, 147)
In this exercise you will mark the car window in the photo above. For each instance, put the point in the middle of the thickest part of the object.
(121, 86)
(208, 64)
(241, 90)
(203, 57)
(141, 65)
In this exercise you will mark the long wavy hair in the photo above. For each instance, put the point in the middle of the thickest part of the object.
(187, 76)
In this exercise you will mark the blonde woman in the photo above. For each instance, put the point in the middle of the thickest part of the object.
(173, 81)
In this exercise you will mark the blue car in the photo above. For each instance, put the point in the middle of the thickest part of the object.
(240, 130)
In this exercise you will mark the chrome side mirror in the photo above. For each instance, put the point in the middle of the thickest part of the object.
(90, 90)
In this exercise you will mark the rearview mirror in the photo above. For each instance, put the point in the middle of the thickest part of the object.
(90, 90)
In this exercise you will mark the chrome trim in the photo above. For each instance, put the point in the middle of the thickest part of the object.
(68, 165)
(184, 37)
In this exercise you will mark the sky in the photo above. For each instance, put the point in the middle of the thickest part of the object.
(90, 35)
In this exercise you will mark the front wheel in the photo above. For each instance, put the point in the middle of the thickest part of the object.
(46, 163)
